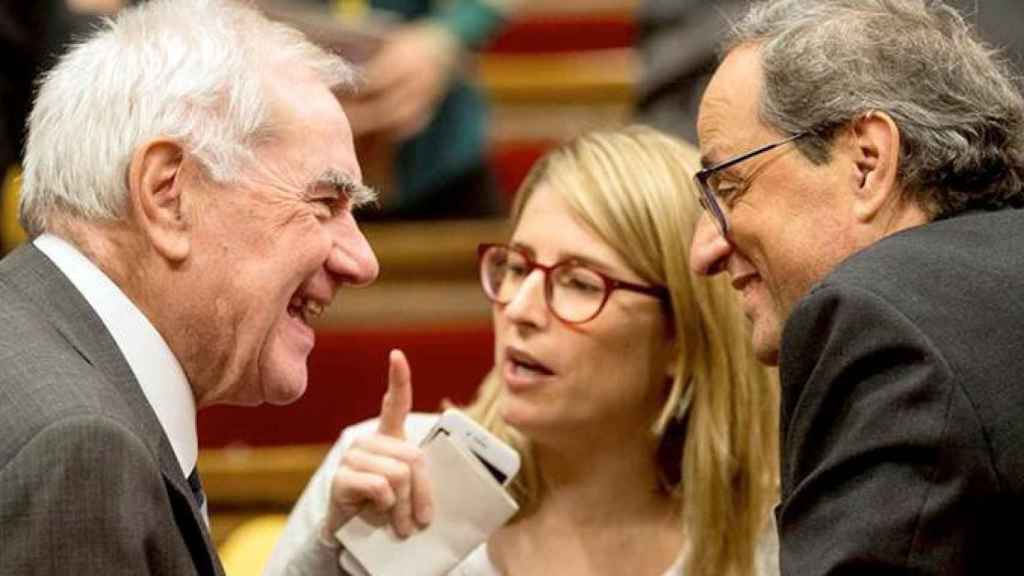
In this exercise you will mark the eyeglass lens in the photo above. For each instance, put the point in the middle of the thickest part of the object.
(574, 293)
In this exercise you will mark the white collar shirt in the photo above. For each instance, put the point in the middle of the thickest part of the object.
(158, 372)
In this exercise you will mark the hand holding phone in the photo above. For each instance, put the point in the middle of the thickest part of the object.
(384, 470)
(451, 487)
(467, 468)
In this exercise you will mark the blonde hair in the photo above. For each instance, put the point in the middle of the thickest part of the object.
(718, 429)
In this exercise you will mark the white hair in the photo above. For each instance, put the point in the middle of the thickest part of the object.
(192, 71)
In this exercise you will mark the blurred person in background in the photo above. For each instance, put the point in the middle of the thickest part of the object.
(32, 36)
(189, 185)
(420, 124)
(646, 427)
(678, 45)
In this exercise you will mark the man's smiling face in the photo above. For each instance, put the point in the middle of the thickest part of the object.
(274, 249)
(789, 218)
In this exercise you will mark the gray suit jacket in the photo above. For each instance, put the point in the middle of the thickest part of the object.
(89, 483)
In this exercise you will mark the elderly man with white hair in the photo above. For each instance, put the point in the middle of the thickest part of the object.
(189, 185)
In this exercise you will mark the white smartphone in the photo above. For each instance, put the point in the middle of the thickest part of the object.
(500, 459)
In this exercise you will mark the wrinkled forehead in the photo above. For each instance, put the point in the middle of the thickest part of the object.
(309, 125)
(729, 121)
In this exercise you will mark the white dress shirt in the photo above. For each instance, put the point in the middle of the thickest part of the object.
(158, 372)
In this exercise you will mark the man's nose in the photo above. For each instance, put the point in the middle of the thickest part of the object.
(351, 258)
(708, 248)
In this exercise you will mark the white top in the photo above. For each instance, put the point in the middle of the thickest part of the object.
(159, 374)
(299, 551)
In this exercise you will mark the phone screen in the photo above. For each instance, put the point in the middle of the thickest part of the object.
(494, 471)
(498, 474)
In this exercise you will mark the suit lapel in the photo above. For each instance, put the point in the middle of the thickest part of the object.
(38, 279)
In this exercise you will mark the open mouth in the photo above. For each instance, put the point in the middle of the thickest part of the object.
(304, 309)
(525, 364)
(740, 283)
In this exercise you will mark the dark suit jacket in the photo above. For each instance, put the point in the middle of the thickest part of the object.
(89, 483)
(903, 406)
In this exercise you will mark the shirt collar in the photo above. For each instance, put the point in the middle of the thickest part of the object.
(158, 372)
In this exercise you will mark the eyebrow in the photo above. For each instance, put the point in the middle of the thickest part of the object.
(358, 194)
(713, 160)
(571, 257)
(713, 156)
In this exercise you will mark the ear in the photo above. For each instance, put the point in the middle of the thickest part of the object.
(157, 194)
(876, 140)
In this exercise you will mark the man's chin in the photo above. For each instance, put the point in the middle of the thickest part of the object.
(263, 394)
(282, 372)
(285, 382)
(766, 344)
(282, 393)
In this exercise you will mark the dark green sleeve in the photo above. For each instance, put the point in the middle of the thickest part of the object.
(472, 21)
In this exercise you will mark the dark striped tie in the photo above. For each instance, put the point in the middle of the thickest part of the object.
(197, 489)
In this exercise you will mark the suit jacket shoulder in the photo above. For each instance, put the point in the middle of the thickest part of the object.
(901, 405)
(82, 456)
(958, 282)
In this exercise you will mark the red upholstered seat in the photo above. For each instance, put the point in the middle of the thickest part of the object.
(348, 375)
(512, 161)
(567, 32)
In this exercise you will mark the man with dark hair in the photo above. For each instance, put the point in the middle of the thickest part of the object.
(864, 174)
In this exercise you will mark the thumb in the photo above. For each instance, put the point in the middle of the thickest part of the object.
(397, 401)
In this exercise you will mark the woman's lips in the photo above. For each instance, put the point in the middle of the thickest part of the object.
(523, 370)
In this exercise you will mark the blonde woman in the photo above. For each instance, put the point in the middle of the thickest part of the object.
(646, 428)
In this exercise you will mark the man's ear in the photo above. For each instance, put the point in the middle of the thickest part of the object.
(876, 139)
(158, 196)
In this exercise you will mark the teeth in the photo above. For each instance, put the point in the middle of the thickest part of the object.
(521, 368)
(305, 309)
(312, 309)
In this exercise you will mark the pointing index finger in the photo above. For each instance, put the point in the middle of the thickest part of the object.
(397, 401)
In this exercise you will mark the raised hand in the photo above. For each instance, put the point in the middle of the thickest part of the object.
(405, 82)
(384, 470)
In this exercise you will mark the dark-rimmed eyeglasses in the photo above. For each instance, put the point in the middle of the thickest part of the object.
(574, 292)
(709, 194)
